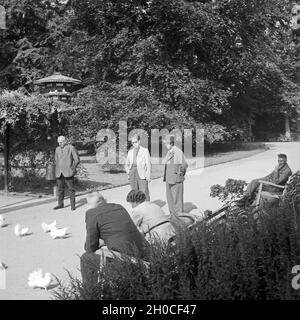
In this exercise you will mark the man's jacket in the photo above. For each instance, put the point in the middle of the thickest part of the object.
(66, 161)
(279, 175)
(175, 166)
(111, 223)
(143, 162)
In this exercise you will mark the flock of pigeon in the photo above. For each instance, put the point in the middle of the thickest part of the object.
(37, 279)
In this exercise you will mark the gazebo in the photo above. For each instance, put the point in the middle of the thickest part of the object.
(58, 87)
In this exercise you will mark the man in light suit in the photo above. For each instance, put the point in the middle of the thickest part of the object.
(138, 167)
(66, 162)
(174, 175)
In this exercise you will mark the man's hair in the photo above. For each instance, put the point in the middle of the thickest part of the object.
(136, 196)
(100, 196)
(169, 139)
(135, 136)
(61, 138)
(282, 156)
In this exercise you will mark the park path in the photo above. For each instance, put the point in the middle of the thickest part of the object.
(23, 255)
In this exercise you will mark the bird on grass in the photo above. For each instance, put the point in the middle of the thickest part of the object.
(58, 233)
(36, 279)
(48, 227)
(21, 232)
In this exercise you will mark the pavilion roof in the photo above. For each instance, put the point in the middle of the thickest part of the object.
(57, 77)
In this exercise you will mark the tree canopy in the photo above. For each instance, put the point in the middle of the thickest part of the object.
(162, 63)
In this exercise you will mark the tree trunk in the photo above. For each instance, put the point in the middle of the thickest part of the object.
(6, 160)
(287, 126)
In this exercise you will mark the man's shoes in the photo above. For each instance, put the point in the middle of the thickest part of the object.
(73, 208)
(60, 206)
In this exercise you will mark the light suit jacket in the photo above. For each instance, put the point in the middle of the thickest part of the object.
(143, 162)
(148, 215)
(175, 166)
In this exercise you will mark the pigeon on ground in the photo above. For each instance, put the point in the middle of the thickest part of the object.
(2, 221)
(48, 227)
(20, 232)
(58, 233)
(37, 280)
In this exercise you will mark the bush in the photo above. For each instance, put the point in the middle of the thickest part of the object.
(232, 190)
(243, 259)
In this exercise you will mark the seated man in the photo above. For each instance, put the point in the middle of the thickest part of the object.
(279, 176)
(111, 225)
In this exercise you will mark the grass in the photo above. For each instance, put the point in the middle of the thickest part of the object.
(239, 260)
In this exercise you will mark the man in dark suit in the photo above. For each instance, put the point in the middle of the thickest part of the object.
(108, 225)
(66, 162)
(279, 176)
(174, 175)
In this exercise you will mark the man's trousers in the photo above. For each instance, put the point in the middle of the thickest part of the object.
(253, 187)
(61, 184)
(175, 197)
(136, 183)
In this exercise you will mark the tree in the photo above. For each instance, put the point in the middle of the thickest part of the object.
(213, 64)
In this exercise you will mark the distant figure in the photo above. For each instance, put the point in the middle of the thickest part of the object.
(109, 225)
(138, 167)
(279, 176)
(149, 218)
(66, 162)
(174, 175)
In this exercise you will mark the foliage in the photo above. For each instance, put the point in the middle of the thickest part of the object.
(29, 117)
(210, 64)
(284, 138)
(246, 259)
(232, 190)
(292, 192)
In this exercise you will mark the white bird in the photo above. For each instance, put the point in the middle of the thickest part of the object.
(20, 232)
(37, 280)
(58, 233)
(2, 221)
(48, 227)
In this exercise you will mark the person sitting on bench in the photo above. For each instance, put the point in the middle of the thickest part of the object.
(279, 176)
(150, 218)
(108, 224)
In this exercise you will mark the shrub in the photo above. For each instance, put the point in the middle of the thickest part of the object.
(232, 190)
(244, 258)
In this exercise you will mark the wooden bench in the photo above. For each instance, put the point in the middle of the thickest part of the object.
(105, 253)
(260, 190)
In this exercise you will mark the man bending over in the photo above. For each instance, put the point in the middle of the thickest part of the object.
(107, 224)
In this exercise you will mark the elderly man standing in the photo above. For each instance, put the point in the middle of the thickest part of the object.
(174, 175)
(66, 162)
(138, 167)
